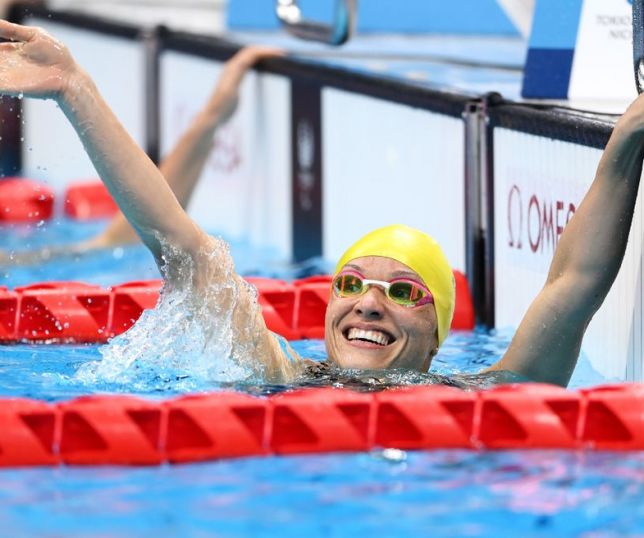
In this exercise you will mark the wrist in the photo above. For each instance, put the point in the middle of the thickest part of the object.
(631, 123)
(74, 87)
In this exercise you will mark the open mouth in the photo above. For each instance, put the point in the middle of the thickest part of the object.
(379, 338)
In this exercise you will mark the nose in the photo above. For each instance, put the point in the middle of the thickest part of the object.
(371, 303)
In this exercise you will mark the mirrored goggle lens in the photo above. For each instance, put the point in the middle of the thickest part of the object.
(406, 293)
(348, 285)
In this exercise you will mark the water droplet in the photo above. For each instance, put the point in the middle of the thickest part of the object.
(393, 455)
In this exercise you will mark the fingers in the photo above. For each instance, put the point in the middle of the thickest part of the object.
(246, 58)
(15, 32)
(250, 55)
(9, 46)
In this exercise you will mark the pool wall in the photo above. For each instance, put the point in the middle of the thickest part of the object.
(493, 181)
(245, 189)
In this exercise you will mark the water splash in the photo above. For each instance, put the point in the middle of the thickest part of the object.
(193, 338)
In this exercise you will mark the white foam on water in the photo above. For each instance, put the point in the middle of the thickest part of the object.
(190, 335)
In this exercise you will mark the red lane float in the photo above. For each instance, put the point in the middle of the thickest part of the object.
(28, 434)
(8, 314)
(529, 416)
(62, 311)
(417, 418)
(111, 430)
(78, 312)
(127, 430)
(277, 299)
(464, 318)
(613, 418)
(313, 296)
(25, 200)
(129, 300)
(89, 200)
(213, 426)
(321, 420)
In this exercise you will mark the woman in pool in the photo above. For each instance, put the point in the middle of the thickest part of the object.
(181, 168)
(393, 296)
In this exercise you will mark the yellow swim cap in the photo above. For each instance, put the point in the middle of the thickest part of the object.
(419, 252)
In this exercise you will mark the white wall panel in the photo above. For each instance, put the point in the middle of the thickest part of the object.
(203, 16)
(386, 163)
(536, 178)
(245, 189)
(51, 151)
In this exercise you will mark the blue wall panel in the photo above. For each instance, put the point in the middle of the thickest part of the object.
(414, 16)
(551, 49)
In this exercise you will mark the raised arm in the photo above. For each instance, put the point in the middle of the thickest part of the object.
(587, 259)
(36, 65)
(183, 166)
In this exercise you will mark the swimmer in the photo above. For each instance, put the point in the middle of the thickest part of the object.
(392, 296)
(182, 167)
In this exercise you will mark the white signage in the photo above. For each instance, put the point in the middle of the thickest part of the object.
(603, 63)
(391, 163)
(538, 185)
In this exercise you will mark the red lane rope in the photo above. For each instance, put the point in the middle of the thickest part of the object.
(127, 430)
(25, 200)
(86, 200)
(78, 312)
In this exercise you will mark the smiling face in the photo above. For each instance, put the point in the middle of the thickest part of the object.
(371, 331)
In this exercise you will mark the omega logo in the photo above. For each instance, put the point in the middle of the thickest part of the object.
(541, 221)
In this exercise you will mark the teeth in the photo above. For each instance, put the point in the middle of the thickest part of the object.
(371, 336)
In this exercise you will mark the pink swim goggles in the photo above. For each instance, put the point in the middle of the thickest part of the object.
(402, 291)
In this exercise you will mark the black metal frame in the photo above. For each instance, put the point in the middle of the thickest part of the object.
(213, 48)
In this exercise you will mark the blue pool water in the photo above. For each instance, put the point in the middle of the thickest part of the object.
(438, 494)
(390, 493)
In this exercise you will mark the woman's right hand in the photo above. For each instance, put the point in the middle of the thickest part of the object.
(223, 101)
(32, 63)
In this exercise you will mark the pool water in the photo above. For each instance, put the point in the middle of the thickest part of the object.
(439, 494)
(121, 264)
(383, 493)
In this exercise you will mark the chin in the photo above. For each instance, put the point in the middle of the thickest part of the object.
(360, 362)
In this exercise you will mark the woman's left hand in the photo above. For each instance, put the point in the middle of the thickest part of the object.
(32, 63)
